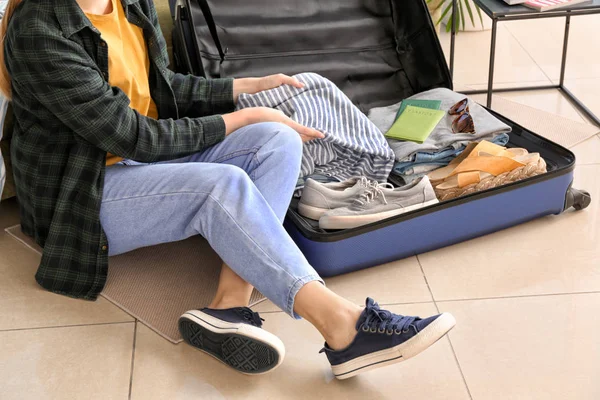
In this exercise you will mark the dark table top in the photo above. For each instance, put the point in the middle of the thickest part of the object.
(498, 8)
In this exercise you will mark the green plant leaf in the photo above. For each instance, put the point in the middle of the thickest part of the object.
(446, 11)
(449, 26)
(440, 5)
(468, 5)
(462, 14)
(480, 16)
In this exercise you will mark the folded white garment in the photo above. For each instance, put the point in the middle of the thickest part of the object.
(487, 127)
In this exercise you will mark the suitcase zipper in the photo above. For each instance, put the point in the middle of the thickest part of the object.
(297, 53)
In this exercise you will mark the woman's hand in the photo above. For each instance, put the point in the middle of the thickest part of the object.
(255, 85)
(254, 115)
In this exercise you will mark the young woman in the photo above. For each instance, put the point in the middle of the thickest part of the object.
(112, 152)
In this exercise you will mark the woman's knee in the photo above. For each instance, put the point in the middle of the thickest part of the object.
(284, 138)
(231, 177)
(218, 179)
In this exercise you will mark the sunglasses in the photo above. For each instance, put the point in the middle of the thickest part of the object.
(463, 123)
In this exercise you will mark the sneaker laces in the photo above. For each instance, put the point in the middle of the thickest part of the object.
(364, 181)
(385, 321)
(252, 317)
(373, 191)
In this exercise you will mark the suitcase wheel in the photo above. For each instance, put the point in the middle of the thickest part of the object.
(578, 199)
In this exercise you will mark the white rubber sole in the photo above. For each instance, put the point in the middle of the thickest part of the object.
(424, 339)
(311, 212)
(354, 221)
(244, 344)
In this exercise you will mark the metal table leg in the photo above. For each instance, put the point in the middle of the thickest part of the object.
(565, 48)
(492, 61)
(574, 100)
(579, 104)
(453, 38)
(490, 89)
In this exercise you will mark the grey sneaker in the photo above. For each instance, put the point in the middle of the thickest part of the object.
(318, 198)
(379, 202)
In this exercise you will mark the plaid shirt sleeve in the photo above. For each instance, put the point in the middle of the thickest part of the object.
(63, 78)
(197, 96)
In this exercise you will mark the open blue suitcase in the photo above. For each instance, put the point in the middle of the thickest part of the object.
(378, 52)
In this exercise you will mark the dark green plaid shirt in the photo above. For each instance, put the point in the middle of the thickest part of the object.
(68, 117)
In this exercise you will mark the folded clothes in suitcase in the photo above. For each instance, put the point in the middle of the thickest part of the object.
(378, 52)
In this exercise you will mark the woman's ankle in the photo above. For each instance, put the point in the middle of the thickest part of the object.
(340, 330)
(225, 302)
(334, 316)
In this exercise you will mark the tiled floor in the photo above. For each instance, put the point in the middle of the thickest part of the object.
(526, 299)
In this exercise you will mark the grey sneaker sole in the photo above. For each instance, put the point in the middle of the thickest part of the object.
(243, 347)
(354, 221)
(310, 211)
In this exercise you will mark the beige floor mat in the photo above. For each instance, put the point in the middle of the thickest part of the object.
(158, 284)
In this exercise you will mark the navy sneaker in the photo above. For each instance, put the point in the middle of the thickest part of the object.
(384, 338)
(234, 337)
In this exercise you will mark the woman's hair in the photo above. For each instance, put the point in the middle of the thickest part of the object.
(4, 76)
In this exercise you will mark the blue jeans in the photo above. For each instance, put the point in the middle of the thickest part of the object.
(235, 194)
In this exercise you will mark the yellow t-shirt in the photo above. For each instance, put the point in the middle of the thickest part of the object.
(128, 61)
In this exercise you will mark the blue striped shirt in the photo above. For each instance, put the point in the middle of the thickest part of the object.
(353, 145)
